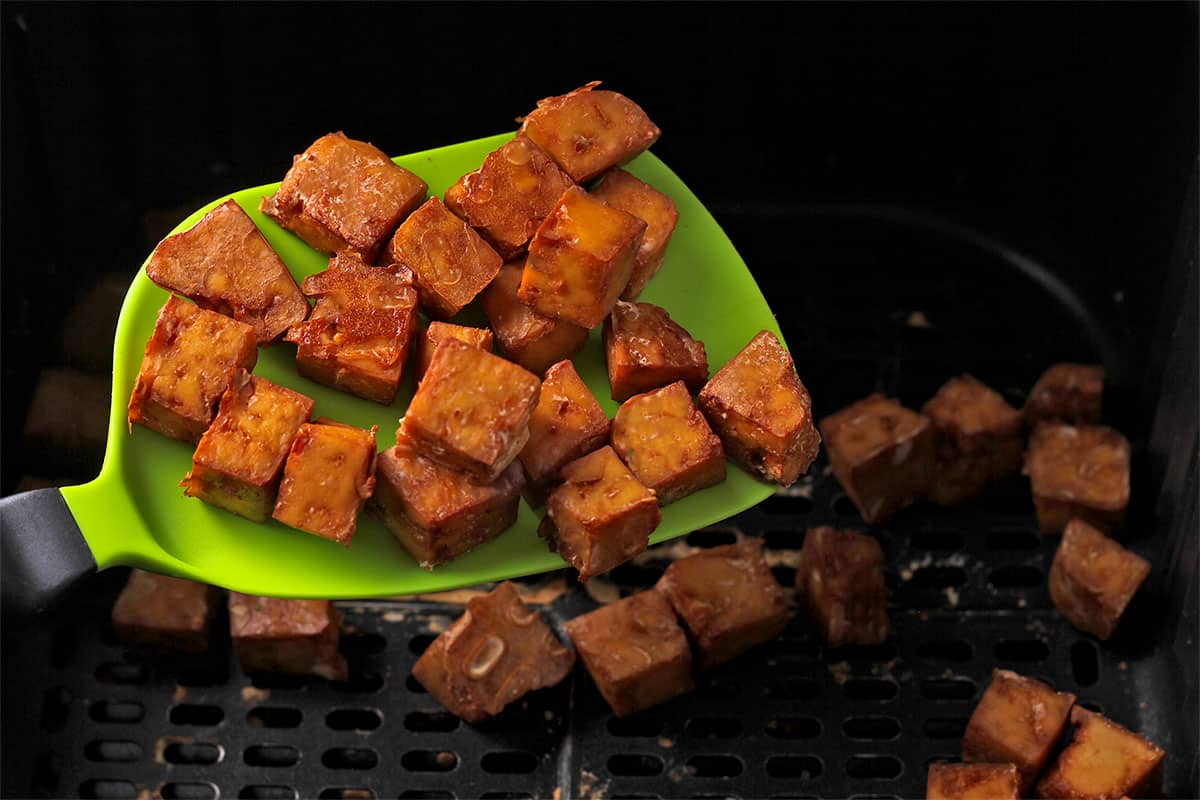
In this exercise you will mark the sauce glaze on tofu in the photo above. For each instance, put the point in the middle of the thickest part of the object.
(1070, 393)
(164, 614)
(298, 637)
(1102, 761)
(645, 349)
(428, 340)
(526, 337)
(840, 584)
(1093, 578)
(621, 190)
(1078, 471)
(972, 782)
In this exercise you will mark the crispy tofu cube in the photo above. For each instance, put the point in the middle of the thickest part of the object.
(839, 583)
(601, 515)
(727, 598)
(882, 453)
(530, 339)
(471, 411)
(190, 360)
(1019, 721)
(428, 341)
(980, 439)
(274, 634)
(621, 190)
(452, 263)
(343, 194)
(1093, 579)
(972, 782)
(588, 131)
(164, 614)
(645, 349)
(1078, 471)
(1103, 761)
(635, 651)
(1070, 393)
(239, 461)
(762, 412)
(498, 651)
(507, 198)
(361, 329)
(329, 474)
(580, 259)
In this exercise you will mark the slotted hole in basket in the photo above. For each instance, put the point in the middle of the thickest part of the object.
(876, 766)
(418, 644)
(122, 673)
(714, 727)
(712, 537)
(778, 504)
(636, 576)
(201, 715)
(112, 751)
(105, 789)
(350, 758)
(1012, 540)
(872, 653)
(426, 794)
(1021, 650)
(944, 727)
(359, 644)
(948, 689)
(267, 792)
(792, 687)
(783, 540)
(347, 793)
(785, 575)
(429, 760)
(271, 755)
(843, 505)
(644, 724)
(1085, 666)
(1015, 576)
(871, 728)
(870, 689)
(202, 675)
(795, 767)
(938, 577)
(117, 711)
(509, 762)
(955, 650)
(794, 727)
(56, 707)
(187, 790)
(939, 541)
(634, 764)
(430, 721)
(353, 719)
(202, 753)
(715, 766)
(274, 717)
(718, 688)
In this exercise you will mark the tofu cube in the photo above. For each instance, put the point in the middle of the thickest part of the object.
(298, 637)
(972, 782)
(498, 651)
(224, 264)
(588, 131)
(840, 585)
(1103, 761)
(1078, 471)
(1093, 579)
(428, 341)
(727, 598)
(882, 453)
(580, 259)
(664, 439)
(1070, 393)
(343, 194)
(621, 190)
(190, 360)
(452, 263)
(239, 461)
(762, 412)
(601, 515)
(635, 651)
(645, 349)
(328, 476)
(164, 614)
(526, 337)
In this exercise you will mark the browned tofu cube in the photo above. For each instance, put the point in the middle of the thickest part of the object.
(972, 782)
(165, 614)
(1066, 393)
(839, 583)
(507, 198)
(567, 423)
(428, 341)
(762, 412)
(471, 411)
(452, 263)
(1019, 721)
(882, 453)
(299, 637)
(329, 474)
(580, 259)
(635, 651)
(727, 598)
(1093, 579)
(224, 264)
(601, 515)
(190, 359)
(664, 439)
(239, 461)
(343, 194)
(587, 131)
(645, 349)
(530, 339)
(621, 190)
(1103, 761)
(1078, 471)
(498, 651)
(361, 330)
(980, 439)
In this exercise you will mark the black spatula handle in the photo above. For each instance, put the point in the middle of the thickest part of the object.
(43, 551)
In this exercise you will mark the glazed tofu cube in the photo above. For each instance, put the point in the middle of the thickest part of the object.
(299, 637)
(428, 341)
(727, 598)
(1103, 761)
(882, 453)
(452, 263)
(972, 782)
(1019, 721)
(645, 349)
(1078, 471)
(588, 131)
(839, 583)
(343, 194)
(328, 476)
(530, 339)
(601, 515)
(1066, 393)
(507, 198)
(664, 439)
(224, 264)
(580, 259)
(471, 411)
(1093, 579)
(567, 423)
(239, 461)
(980, 439)
(635, 651)
(190, 360)
(621, 190)
(164, 614)
(762, 412)
(498, 651)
